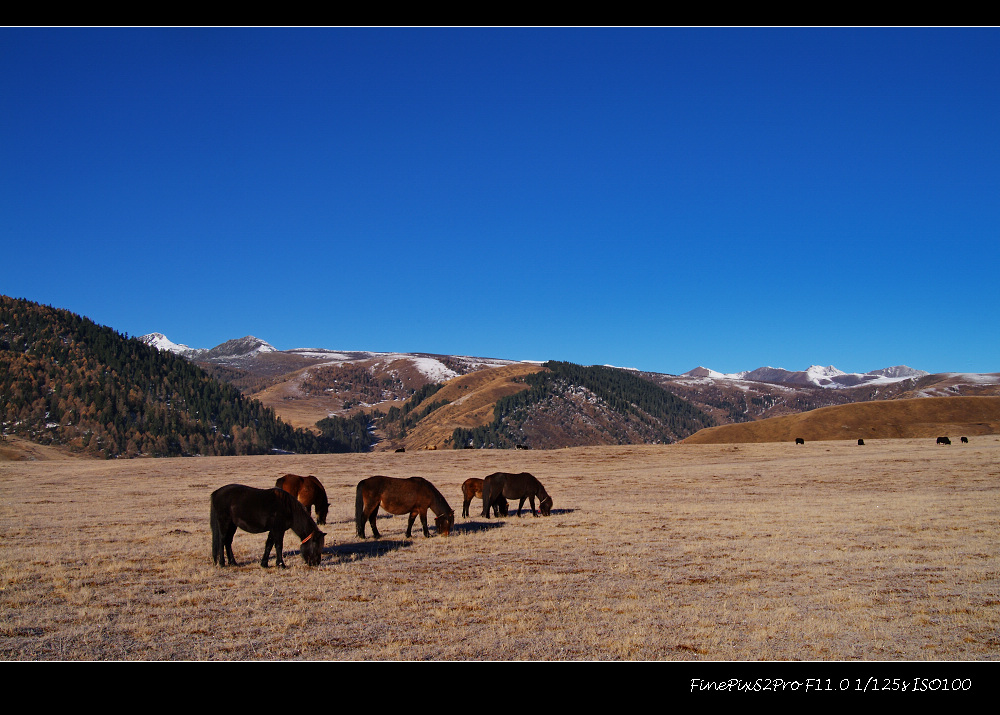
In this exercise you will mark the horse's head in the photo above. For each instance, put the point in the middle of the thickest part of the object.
(545, 506)
(312, 548)
(445, 522)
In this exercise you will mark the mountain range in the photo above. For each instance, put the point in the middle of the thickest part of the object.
(305, 385)
(242, 351)
(69, 384)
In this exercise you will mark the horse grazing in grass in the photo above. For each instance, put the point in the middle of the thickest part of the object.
(473, 487)
(309, 491)
(413, 496)
(515, 486)
(256, 511)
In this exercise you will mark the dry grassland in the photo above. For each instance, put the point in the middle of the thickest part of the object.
(827, 551)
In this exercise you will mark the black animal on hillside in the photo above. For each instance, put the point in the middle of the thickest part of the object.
(799, 440)
(257, 511)
(943, 440)
(861, 442)
(473, 487)
(503, 485)
(309, 491)
(413, 496)
(965, 440)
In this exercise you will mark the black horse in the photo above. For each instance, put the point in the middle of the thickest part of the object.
(259, 510)
(515, 486)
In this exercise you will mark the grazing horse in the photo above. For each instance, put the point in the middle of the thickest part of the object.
(309, 491)
(473, 487)
(515, 486)
(799, 440)
(413, 496)
(943, 440)
(256, 511)
(965, 440)
(861, 443)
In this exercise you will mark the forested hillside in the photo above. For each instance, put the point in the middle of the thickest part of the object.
(66, 380)
(568, 404)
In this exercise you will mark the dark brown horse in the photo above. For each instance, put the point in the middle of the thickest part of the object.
(309, 491)
(515, 486)
(473, 487)
(413, 496)
(256, 511)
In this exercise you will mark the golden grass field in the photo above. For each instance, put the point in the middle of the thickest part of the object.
(822, 552)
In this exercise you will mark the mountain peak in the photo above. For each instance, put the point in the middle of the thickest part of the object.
(241, 347)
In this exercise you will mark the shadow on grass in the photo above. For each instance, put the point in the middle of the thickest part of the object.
(476, 527)
(371, 548)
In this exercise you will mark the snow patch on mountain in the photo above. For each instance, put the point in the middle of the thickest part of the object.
(813, 376)
(435, 370)
(162, 342)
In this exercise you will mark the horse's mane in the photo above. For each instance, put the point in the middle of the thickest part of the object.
(439, 504)
(302, 522)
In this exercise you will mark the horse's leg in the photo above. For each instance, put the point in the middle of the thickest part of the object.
(267, 549)
(423, 520)
(465, 507)
(520, 506)
(409, 524)
(371, 520)
(279, 548)
(227, 541)
(531, 500)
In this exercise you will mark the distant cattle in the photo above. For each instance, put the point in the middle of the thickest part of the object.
(861, 443)
(401, 449)
(965, 440)
(799, 440)
(943, 440)
(521, 446)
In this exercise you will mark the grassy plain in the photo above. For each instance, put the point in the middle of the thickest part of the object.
(827, 551)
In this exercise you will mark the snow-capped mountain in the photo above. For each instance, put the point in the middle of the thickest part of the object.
(814, 376)
(241, 347)
(162, 342)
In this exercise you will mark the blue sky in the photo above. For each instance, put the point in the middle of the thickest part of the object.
(649, 198)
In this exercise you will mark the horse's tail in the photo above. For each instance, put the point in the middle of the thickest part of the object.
(321, 502)
(487, 496)
(213, 519)
(359, 510)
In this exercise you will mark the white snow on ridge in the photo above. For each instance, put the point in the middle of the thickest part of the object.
(815, 375)
(162, 342)
(435, 370)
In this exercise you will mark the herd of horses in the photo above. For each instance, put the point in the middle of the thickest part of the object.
(861, 442)
(289, 503)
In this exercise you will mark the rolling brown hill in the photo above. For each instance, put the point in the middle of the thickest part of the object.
(470, 403)
(907, 418)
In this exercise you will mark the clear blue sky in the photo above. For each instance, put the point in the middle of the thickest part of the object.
(649, 198)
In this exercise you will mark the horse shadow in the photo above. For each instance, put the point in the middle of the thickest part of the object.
(477, 527)
(368, 549)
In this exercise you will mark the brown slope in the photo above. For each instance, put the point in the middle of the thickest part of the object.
(913, 418)
(470, 403)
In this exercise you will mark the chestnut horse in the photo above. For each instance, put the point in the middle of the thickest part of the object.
(309, 491)
(515, 486)
(473, 487)
(256, 511)
(413, 496)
